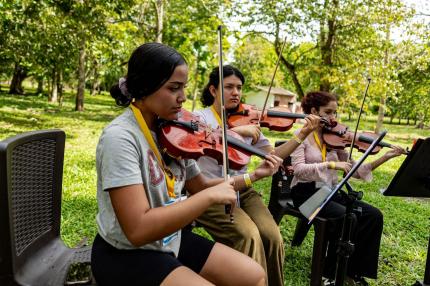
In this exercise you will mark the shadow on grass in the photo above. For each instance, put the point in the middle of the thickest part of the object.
(23, 103)
(104, 98)
(18, 120)
(87, 115)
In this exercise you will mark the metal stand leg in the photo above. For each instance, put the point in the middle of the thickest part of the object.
(346, 247)
(427, 270)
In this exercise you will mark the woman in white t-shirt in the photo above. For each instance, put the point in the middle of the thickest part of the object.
(254, 232)
(141, 214)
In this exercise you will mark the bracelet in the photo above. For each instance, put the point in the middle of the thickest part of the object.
(247, 179)
(297, 139)
(332, 165)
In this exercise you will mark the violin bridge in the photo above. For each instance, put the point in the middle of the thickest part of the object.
(208, 132)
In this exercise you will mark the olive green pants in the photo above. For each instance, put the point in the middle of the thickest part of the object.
(254, 232)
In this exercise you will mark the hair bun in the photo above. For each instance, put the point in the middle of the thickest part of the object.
(120, 98)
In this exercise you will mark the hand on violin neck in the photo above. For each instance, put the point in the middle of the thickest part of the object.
(312, 123)
(394, 152)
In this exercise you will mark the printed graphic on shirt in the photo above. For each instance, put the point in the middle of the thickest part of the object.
(155, 172)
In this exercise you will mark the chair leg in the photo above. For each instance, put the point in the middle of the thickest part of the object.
(318, 255)
(277, 212)
(302, 228)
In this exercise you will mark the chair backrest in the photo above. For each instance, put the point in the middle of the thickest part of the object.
(31, 170)
(281, 181)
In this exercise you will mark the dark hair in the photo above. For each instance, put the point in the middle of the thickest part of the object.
(316, 99)
(207, 99)
(149, 67)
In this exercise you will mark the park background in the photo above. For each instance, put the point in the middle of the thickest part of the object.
(58, 59)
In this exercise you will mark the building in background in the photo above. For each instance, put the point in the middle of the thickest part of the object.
(278, 97)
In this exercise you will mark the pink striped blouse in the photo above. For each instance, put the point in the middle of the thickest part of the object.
(308, 165)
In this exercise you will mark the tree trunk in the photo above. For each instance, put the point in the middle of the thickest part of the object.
(79, 106)
(95, 86)
(380, 120)
(292, 70)
(159, 7)
(327, 43)
(407, 122)
(53, 96)
(39, 85)
(290, 67)
(421, 123)
(423, 119)
(19, 74)
(60, 86)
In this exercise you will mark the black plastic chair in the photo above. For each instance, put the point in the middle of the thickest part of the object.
(281, 204)
(31, 250)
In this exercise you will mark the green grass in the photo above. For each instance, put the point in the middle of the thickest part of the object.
(406, 227)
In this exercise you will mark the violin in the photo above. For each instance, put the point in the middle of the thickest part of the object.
(277, 118)
(338, 137)
(188, 137)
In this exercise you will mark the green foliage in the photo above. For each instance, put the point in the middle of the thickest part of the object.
(193, 32)
(256, 58)
(46, 38)
(405, 236)
(331, 44)
(334, 45)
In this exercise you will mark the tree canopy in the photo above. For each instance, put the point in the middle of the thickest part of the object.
(330, 45)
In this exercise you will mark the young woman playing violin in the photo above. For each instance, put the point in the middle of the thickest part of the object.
(315, 166)
(254, 232)
(141, 212)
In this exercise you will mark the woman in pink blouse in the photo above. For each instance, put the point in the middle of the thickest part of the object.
(314, 166)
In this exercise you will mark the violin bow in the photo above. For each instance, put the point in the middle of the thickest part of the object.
(347, 185)
(224, 123)
(358, 120)
(271, 82)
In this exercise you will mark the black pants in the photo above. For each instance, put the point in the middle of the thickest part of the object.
(367, 235)
(113, 267)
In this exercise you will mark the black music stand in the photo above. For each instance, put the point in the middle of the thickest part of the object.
(413, 180)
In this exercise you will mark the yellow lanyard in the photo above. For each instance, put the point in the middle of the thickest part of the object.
(218, 119)
(170, 179)
(322, 147)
